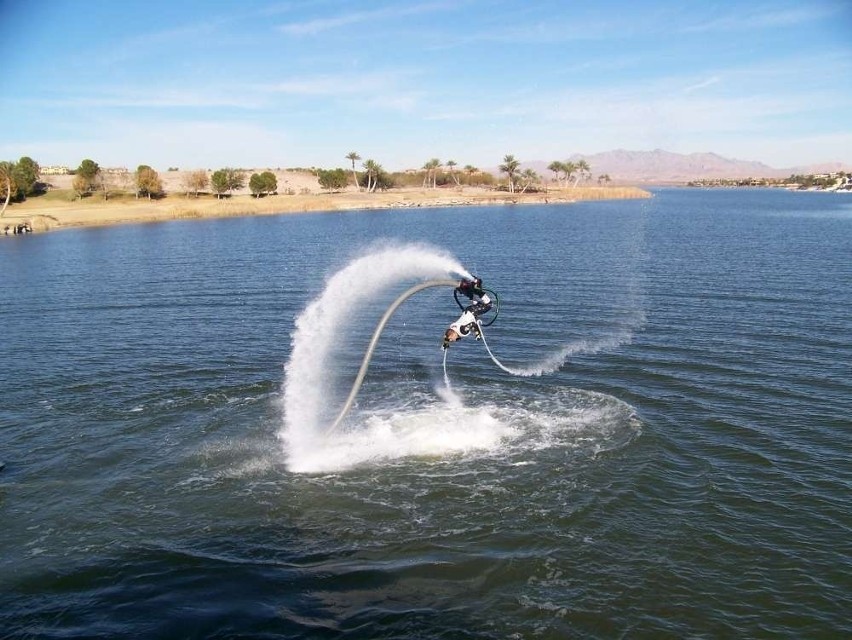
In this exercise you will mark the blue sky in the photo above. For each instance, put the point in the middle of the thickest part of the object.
(285, 84)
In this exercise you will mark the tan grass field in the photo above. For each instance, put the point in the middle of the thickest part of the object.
(298, 192)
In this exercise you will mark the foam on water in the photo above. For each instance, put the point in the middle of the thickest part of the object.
(434, 431)
(502, 427)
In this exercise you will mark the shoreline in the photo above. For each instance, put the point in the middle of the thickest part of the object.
(55, 213)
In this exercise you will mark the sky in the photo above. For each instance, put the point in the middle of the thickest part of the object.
(265, 83)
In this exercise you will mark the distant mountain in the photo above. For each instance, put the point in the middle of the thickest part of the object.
(661, 167)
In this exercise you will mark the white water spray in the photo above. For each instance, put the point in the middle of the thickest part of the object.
(554, 361)
(387, 434)
(446, 392)
(305, 392)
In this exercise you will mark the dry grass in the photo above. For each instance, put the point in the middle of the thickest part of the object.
(59, 208)
(602, 193)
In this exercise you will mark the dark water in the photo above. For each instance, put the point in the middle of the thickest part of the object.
(685, 473)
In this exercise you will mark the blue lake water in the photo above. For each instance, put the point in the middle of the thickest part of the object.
(681, 468)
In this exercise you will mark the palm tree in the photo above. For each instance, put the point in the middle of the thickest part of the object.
(431, 168)
(510, 167)
(555, 167)
(583, 171)
(372, 168)
(568, 169)
(528, 177)
(452, 164)
(604, 178)
(469, 169)
(353, 156)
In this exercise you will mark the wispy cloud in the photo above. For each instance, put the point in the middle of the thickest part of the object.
(762, 17)
(403, 102)
(149, 98)
(702, 85)
(143, 44)
(379, 90)
(453, 116)
(205, 143)
(318, 25)
(332, 84)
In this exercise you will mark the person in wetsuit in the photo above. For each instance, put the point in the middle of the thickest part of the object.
(468, 321)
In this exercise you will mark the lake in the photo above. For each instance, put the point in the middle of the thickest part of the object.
(665, 452)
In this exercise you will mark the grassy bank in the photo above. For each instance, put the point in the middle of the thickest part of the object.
(60, 208)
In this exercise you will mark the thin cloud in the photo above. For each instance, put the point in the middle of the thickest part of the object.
(403, 102)
(148, 98)
(379, 90)
(327, 85)
(702, 85)
(183, 36)
(767, 17)
(453, 116)
(318, 25)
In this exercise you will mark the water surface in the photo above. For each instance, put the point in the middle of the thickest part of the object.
(683, 473)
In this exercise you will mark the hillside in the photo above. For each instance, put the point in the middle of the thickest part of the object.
(662, 167)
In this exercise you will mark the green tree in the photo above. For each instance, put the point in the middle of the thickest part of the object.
(568, 170)
(510, 168)
(332, 179)
(383, 180)
(148, 181)
(371, 169)
(26, 175)
(256, 185)
(353, 156)
(527, 178)
(89, 169)
(583, 171)
(227, 179)
(263, 183)
(219, 182)
(604, 179)
(451, 165)
(270, 182)
(87, 173)
(375, 176)
(470, 170)
(556, 168)
(431, 168)
(236, 179)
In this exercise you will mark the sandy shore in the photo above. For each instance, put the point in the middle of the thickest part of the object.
(59, 209)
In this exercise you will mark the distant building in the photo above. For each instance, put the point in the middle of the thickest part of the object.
(54, 170)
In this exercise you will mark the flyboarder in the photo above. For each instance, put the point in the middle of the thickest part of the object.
(469, 320)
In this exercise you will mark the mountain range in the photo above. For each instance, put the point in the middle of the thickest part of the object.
(664, 167)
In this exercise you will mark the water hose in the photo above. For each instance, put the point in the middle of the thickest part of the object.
(368, 355)
(494, 359)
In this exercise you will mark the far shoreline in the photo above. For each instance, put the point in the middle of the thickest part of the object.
(55, 213)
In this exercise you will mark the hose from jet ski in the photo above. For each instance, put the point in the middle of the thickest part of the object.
(368, 355)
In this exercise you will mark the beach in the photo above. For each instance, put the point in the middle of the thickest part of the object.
(298, 192)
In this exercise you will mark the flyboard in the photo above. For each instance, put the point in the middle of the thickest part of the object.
(458, 286)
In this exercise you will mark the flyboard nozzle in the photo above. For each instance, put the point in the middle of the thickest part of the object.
(470, 283)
